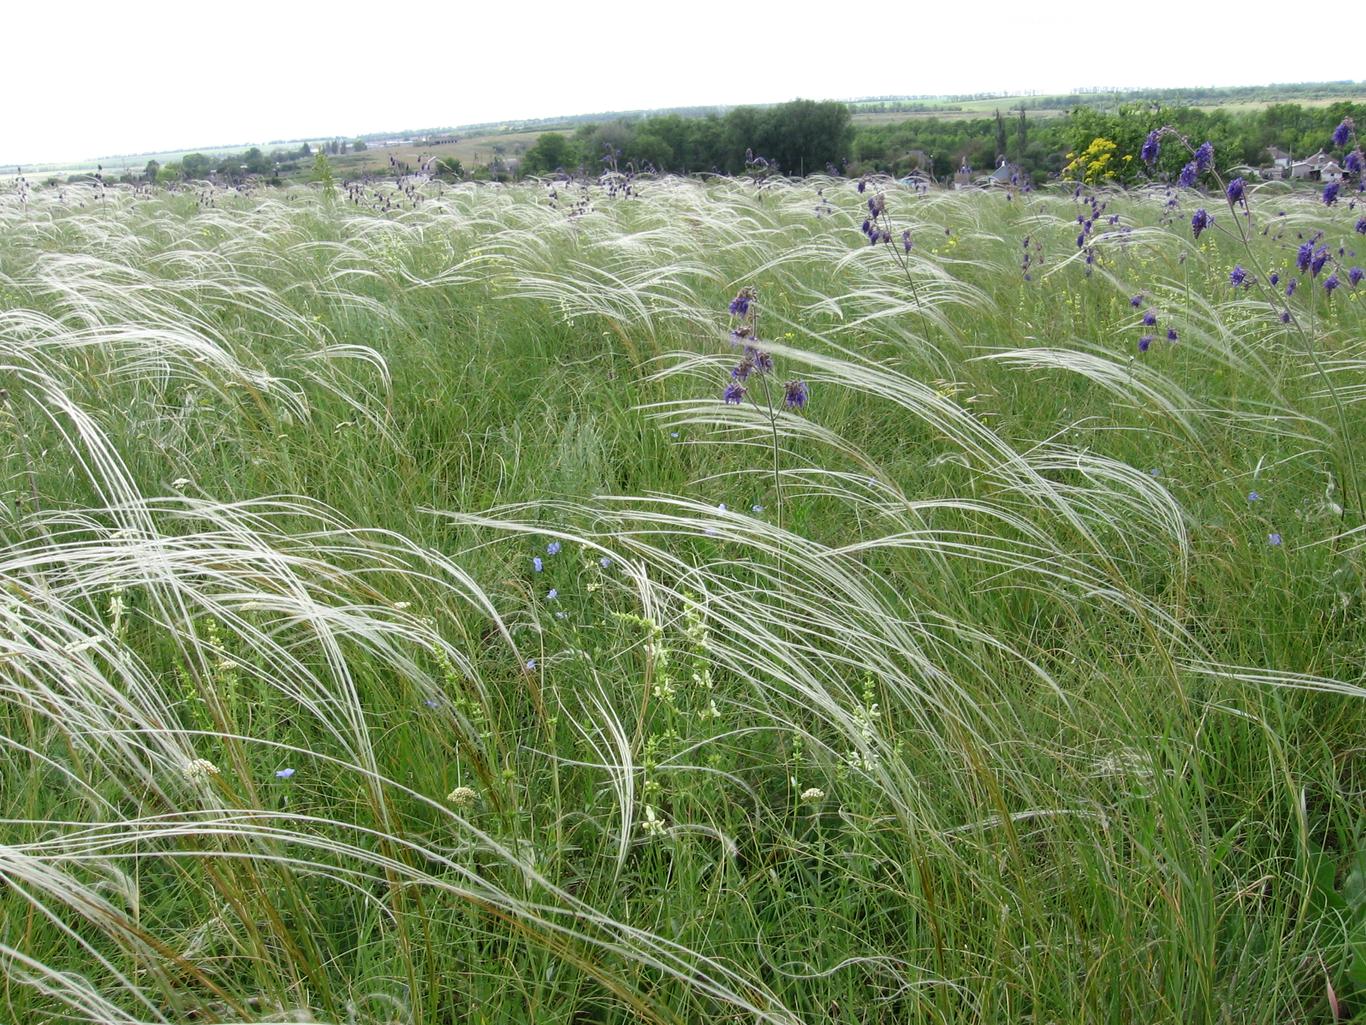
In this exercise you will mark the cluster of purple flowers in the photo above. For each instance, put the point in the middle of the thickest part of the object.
(875, 226)
(1200, 221)
(1088, 220)
(754, 360)
(1150, 319)
(1152, 146)
(1203, 160)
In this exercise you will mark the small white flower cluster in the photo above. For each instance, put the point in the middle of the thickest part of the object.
(199, 769)
(652, 825)
(812, 794)
(462, 797)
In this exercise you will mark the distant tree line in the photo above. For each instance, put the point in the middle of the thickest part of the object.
(802, 137)
(797, 138)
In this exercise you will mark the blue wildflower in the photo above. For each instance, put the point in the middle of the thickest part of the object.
(283, 773)
(1235, 190)
(1149, 317)
(734, 393)
(1189, 174)
(1273, 539)
(553, 548)
(1342, 132)
(1331, 282)
(1361, 226)
(552, 594)
(537, 564)
(1330, 193)
(1200, 221)
(1171, 334)
(1252, 496)
(1320, 258)
(1355, 275)
(1204, 155)
(530, 664)
(1274, 278)
(1303, 255)
(795, 394)
(1144, 343)
(1353, 162)
(605, 562)
(1151, 148)
(1136, 301)
(1237, 276)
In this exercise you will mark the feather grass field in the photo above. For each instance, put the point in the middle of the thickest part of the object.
(398, 625)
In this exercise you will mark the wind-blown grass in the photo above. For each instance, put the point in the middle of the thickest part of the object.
(1018, 677)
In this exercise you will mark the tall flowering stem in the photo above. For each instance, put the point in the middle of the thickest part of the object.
(757, 362)
(879, 230)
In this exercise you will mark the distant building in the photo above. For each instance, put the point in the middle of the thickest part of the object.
(1331, 172)
(1006, 174)
(1311, 167)
(1279, 157)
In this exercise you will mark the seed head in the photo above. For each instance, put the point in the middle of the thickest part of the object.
(462, 797)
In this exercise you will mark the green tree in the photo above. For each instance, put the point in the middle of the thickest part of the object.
(196, 166)
(450, 169)
(550, 152)
(322, 174)
(150, 172)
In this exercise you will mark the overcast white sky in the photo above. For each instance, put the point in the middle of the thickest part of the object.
(86, 80)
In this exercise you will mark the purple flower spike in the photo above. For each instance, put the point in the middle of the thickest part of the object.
(1144, 342)
(1330, 193)
(1189, 174)
(795, 394)
(1331, 282)
(1151, 148)
(1355, 275)
(1235, 190)
(1342, 132)
(1237, 276)
(1320, 258)
(1204, 156)
(1149, 317)
(1200, 221)
(734, 393)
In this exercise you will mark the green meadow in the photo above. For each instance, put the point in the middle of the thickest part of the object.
(398, 626)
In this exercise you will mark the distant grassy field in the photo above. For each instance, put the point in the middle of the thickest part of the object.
(588, 609)
(967, 109)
